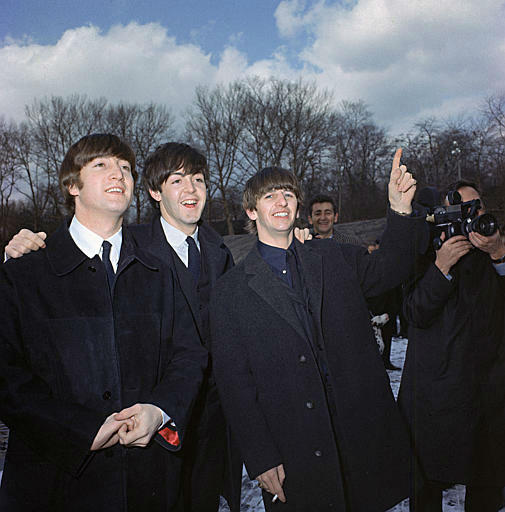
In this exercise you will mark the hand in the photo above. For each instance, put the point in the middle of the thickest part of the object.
(493, 244)
(303, 234)
(24, 242)
(108, 433)
(146, 420)
(272, 481)
(451, 252)
(402, 186)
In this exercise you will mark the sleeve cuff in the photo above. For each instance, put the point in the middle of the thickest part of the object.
(500, 268)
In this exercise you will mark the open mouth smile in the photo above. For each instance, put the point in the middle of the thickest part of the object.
(115, 190)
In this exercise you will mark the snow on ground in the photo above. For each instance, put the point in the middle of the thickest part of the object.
(454, 498)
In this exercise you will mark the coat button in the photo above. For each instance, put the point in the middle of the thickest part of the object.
(318, 453)
(107, 395)
(302, 359)
(309, 405)
(91, 268)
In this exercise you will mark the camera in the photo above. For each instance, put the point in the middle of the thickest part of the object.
(460, 218)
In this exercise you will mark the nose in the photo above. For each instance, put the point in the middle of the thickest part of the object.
(281, 199)
(117, 171)
(189, 186)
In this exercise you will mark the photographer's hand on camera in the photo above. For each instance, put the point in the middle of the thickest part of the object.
(451, 252)
(493, 244)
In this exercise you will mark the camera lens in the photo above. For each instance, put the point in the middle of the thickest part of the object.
(485, 224)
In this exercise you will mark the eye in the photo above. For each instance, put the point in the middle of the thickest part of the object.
(126, 168)
(199, 180)
(176, 181)
(99, 164)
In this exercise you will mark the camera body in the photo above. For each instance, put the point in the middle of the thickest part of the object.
(460, 218)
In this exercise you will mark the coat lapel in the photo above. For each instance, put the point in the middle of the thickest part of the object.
(270, 288)
(214, 255)
(159, 246)
(312, 271)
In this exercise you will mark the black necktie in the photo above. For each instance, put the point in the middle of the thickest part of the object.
(193, 258)
(111, 275)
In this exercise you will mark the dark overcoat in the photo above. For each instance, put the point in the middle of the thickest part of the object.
(453, 385)
(71, 354)
(209, 437)
(273, 392)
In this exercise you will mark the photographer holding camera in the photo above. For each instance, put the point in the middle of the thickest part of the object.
(452, 393)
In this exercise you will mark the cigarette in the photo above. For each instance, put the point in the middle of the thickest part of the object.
(275, 498)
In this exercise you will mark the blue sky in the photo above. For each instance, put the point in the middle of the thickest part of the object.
(407, 60)
(248, 25)
(209, 24)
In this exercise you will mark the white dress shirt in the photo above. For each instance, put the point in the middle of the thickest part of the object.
(177, 240)
(91, 244)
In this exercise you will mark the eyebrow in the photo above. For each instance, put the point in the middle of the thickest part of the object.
(180, 173)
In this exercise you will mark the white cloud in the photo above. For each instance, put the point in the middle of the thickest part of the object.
(291, 18)
(232, 65)
(405, 59)
(138, 63)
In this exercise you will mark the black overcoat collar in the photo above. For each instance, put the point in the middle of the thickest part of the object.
(273, 291)
(64, 256)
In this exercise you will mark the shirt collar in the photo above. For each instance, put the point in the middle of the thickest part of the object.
(275, 256)
(91, 244)
(175, 237)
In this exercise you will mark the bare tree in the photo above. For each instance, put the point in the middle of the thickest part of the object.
(494, 111)
(358, 161)
(54, 124)
(145, 127)
(8, 177)
(287, 124)
(215, 123)
(35, 182)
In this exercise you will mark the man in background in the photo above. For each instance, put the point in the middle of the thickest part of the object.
(323, 216)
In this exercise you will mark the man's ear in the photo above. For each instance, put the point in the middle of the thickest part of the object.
(73, 190)
(310, 220)
(252, 214)
(335, 220)
(155, 194)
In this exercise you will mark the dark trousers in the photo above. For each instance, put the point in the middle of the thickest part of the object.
(205, 454)
(428, 498)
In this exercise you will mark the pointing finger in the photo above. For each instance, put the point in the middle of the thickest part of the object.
(397, 158)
